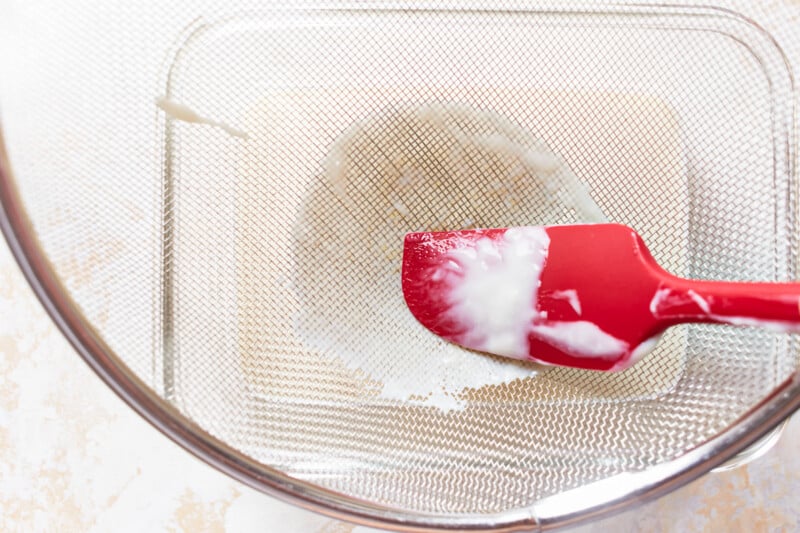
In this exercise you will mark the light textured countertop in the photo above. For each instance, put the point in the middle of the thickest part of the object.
(73, 457)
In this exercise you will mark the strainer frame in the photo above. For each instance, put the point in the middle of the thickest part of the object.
(568, 508)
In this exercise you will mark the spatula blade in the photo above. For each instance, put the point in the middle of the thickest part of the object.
(573, 295)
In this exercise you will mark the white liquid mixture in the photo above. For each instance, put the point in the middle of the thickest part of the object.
(184, 113)
(493, 294)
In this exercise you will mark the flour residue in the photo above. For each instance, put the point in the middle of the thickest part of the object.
(426, 168)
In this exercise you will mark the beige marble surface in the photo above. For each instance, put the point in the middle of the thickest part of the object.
(73, 457)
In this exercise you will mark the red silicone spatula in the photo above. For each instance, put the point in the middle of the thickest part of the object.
(587, 296)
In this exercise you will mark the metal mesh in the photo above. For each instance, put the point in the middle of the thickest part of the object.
(244, 281)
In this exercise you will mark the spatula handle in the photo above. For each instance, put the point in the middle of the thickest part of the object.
(771, 305)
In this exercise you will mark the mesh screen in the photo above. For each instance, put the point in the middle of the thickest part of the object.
(254, 282)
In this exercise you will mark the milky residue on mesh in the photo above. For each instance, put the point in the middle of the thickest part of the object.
(432, 167)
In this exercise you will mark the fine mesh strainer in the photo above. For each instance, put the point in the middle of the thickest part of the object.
(232, 268)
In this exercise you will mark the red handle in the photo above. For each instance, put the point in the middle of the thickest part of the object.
(775, 305)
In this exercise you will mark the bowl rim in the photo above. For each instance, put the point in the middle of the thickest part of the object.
(589, 502)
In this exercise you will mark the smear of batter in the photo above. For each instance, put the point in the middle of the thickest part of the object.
(426, 168)
(494, 290)
(184, 113)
